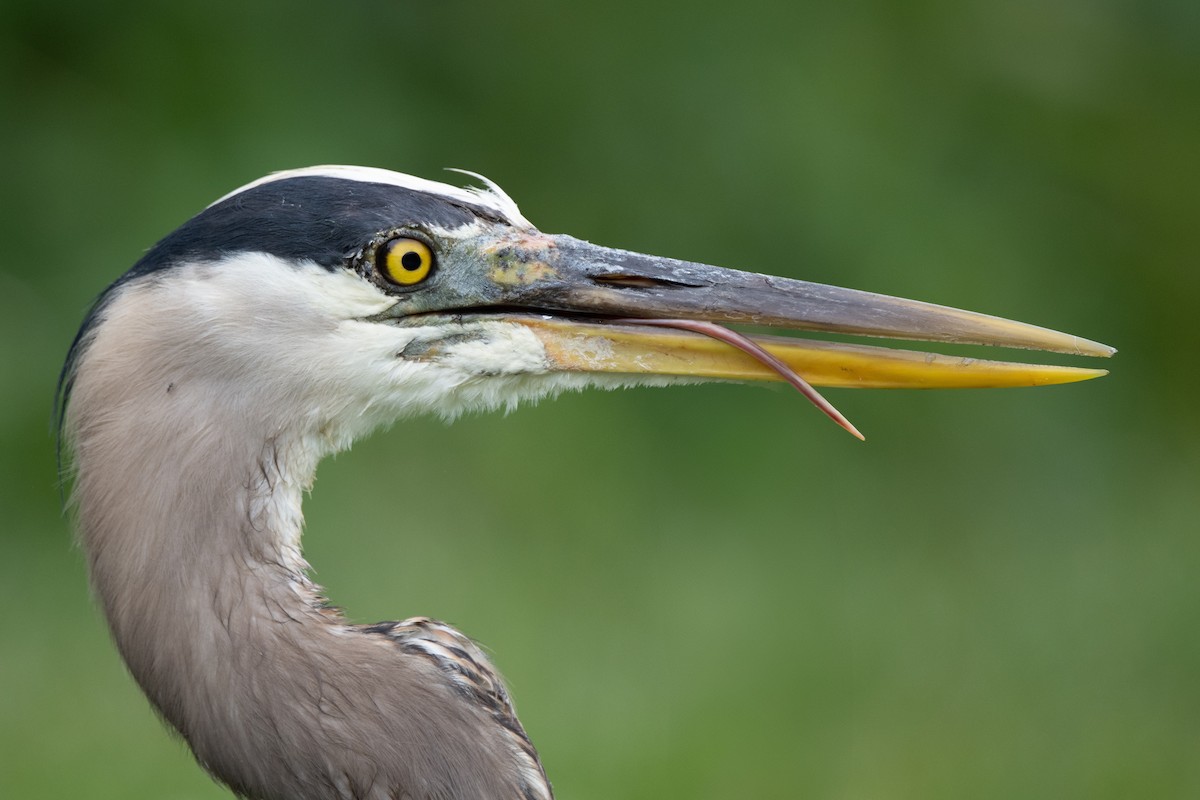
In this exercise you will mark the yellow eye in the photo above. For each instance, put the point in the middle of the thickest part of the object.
(404, 261)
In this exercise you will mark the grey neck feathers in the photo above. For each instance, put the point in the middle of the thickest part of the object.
(190, 517)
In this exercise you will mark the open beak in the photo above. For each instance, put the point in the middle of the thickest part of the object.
(599, 309)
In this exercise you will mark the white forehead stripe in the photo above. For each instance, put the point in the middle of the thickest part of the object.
(491, 196)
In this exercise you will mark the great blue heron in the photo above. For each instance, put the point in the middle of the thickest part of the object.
(297, 314)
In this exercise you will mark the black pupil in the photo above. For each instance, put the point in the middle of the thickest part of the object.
(411, 260)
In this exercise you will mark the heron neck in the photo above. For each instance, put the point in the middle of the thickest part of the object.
(195, 554)
(195, 548)
(204, 587)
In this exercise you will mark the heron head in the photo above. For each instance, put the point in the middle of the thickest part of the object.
(339, 298)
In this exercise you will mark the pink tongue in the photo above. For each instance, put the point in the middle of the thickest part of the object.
(748, 346)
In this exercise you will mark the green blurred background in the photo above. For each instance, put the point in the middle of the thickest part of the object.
(703, 592)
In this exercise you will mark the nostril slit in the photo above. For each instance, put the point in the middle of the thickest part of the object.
(626, 281)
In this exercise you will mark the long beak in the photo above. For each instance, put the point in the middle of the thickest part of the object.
(608, 310)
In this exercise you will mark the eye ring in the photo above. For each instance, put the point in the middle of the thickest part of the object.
(404, 261)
